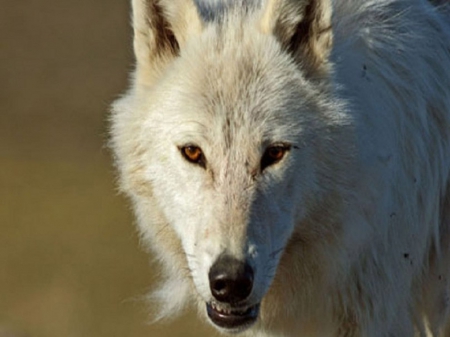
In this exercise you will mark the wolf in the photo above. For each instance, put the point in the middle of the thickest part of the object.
(288, 163)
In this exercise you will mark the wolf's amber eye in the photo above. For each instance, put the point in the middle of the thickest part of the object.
(193, 154)
(273, 155)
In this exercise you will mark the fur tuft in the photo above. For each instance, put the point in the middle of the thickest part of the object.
(170, 299)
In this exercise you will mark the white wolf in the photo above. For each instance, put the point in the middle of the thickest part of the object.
(289, 162)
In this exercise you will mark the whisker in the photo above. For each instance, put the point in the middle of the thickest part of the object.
(158, 233)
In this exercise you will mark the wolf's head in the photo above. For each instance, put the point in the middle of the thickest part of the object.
(230, 143)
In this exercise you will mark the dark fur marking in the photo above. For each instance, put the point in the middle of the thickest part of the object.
(217, 10)
(210, 12)
(165, 39)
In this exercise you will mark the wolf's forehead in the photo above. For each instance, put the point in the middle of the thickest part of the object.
(240, 81)
(243, 98)
(238, 103)
(241, 95)
(237, 74)
(244, 112)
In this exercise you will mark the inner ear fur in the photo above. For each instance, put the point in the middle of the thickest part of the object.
(161, 28)
(303, 27)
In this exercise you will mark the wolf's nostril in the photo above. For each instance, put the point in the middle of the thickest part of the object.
(219, 286)
(230, 280)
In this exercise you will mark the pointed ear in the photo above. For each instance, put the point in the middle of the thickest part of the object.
(161, 28)
(303, 27)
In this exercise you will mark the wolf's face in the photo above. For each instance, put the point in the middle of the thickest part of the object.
(226, 147)
(226, 141)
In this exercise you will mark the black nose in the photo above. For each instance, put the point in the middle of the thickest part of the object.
(230, 280)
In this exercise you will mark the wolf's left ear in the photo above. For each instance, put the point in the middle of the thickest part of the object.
(303, 27)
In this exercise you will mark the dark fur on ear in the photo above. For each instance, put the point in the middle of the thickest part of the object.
(303, 27)
(161, 27)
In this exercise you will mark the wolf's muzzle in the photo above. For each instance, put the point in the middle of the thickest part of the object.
(231, 284)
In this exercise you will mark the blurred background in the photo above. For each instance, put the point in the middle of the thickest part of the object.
(70, 262)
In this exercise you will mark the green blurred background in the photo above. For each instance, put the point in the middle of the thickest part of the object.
(70, 262)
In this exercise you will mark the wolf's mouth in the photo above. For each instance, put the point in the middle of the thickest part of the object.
(232, 319)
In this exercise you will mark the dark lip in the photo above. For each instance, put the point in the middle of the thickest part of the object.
(233, 319)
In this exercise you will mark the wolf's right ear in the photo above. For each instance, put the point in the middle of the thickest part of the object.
(161, 27)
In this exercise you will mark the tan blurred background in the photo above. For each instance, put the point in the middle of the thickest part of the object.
(70, 262)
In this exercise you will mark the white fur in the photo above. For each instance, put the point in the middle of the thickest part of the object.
(350, 233)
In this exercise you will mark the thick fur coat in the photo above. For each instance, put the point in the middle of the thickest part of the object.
(308, 138)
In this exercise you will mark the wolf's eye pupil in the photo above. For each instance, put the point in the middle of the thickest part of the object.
(273, 155)
(193, 154)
